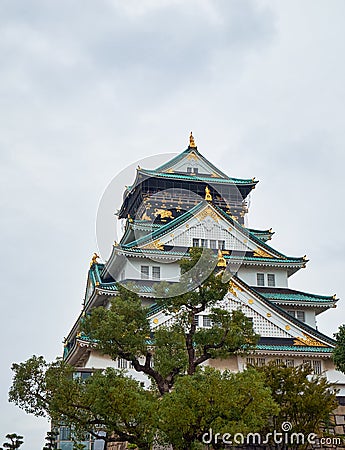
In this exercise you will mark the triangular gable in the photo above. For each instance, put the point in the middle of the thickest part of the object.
(207, 222)
(188, 160)
(302, 333)
(268, 320)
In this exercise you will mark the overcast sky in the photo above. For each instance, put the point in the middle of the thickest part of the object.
(88, 87)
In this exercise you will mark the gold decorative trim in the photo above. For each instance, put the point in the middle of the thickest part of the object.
(94, 259)
(231, 289)
(250, 301)
(287, 327)
(154, 245)
(208, 195)
(191, 140)
(262, 253)
(308, 341)
(208, 212)
(221, 260)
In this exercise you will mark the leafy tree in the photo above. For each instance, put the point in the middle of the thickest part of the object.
(15, 441)
(107, 401)
(305, 400)
(123, 331)
(51, 440)
(210, 400)
(339, 351)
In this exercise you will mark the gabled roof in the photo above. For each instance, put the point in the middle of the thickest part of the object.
(307, 328)
(190, 150)
(269, 253)
(201, 178)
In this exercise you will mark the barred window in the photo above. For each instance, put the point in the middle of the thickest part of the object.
(221, 245)
(213, 243)
(196, 320)
(122, 363)
(260, 279)
(196, 242)
(144, 272)
(317, 369)
(290, 363)
(300, 315)
(156, 272)
(203, 242)
(65, 433)
(250, 361)
(207, 321)
(271, 279)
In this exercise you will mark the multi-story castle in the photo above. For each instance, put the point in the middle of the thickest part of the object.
(188, 202)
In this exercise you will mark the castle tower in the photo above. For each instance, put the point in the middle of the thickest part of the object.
(188, 202)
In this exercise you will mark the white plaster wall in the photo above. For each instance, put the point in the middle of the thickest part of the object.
(170, 271)
(310, 318)
(99, 361)
(248, 275)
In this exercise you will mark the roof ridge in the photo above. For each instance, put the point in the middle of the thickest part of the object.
(199, 178)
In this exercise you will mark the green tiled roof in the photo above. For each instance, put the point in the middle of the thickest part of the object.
(296, 348)
(260, 258)
(304, 297)
(178, 176)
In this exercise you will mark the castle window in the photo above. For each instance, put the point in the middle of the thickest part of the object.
(260, 362)
(196, 242)
(221, 245)
(189, 170)
(144, 272)
(122, 363)
(206, 321)
(316, 365)
(213, 243)
(203, 242)
(196, 321)
(290, 363)
(271, 279)
(250, 361)
(65, 433)
(195, 170)
(260, 279)
(300, 315)
(156, 272)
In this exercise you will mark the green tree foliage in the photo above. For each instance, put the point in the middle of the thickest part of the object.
(123, 331)
(15, 441)
(339, 351)
(51, 443)
(107, 401)
(224, 402)
(305, 400)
